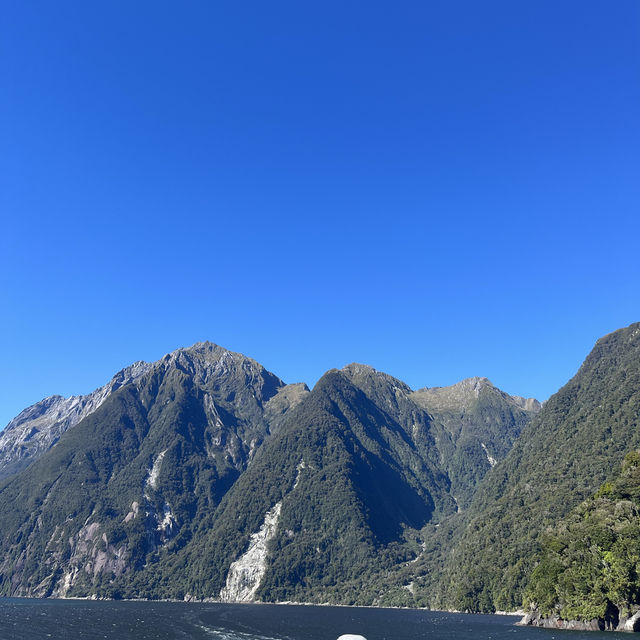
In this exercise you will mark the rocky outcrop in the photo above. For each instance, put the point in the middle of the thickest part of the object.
(612, 621)
(528, 404)
(254, 393)
(38, 427)
(83, 555)
(631, 623)
(246, 573)
(286, 399)
(556, 622)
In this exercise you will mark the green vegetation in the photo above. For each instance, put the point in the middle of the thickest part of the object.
(365, 469)
(561, 458)
(86, 510)
(351, 500)
(370, 476)
(366, 501)
(590, 561)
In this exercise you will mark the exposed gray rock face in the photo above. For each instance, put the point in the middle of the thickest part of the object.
(38, 427)
(287, 398)
(630, 624)
(246, 573)
(242, 381)
(555, 622)
(611, 622)
(90, 552)
(528, 404)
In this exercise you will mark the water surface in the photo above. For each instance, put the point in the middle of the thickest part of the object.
(30, 619)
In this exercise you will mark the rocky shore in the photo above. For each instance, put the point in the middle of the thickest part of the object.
(612, 621)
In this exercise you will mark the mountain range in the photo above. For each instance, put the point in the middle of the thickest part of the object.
(204, 476)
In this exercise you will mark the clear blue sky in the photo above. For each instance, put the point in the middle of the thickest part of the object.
(439, 189)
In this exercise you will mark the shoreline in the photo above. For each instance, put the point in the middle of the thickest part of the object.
(517, 613)
(629, 624)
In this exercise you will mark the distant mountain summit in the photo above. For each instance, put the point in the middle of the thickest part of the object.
(473, 413)
(37, 428)
(466, 393)
(203, 475)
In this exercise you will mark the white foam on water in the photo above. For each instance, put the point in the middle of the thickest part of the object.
(228, 634)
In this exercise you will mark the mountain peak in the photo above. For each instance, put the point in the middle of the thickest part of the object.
(39, 426)
(528, 404)
(365, 374)
(212, 353)
(465, 393)
(460, 394)
(474, 383)
(205, 347)
(208, 351)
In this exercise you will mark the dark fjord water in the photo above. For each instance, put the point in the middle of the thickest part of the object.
(24, 619)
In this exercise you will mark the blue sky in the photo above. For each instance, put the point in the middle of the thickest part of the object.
(438, 189)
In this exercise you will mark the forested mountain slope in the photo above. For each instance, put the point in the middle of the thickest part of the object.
(354, 473)
(205, 476)
(561, 457)
(135, 474)
(588, 572)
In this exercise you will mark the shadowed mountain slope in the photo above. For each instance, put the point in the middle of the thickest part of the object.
(354, 474)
